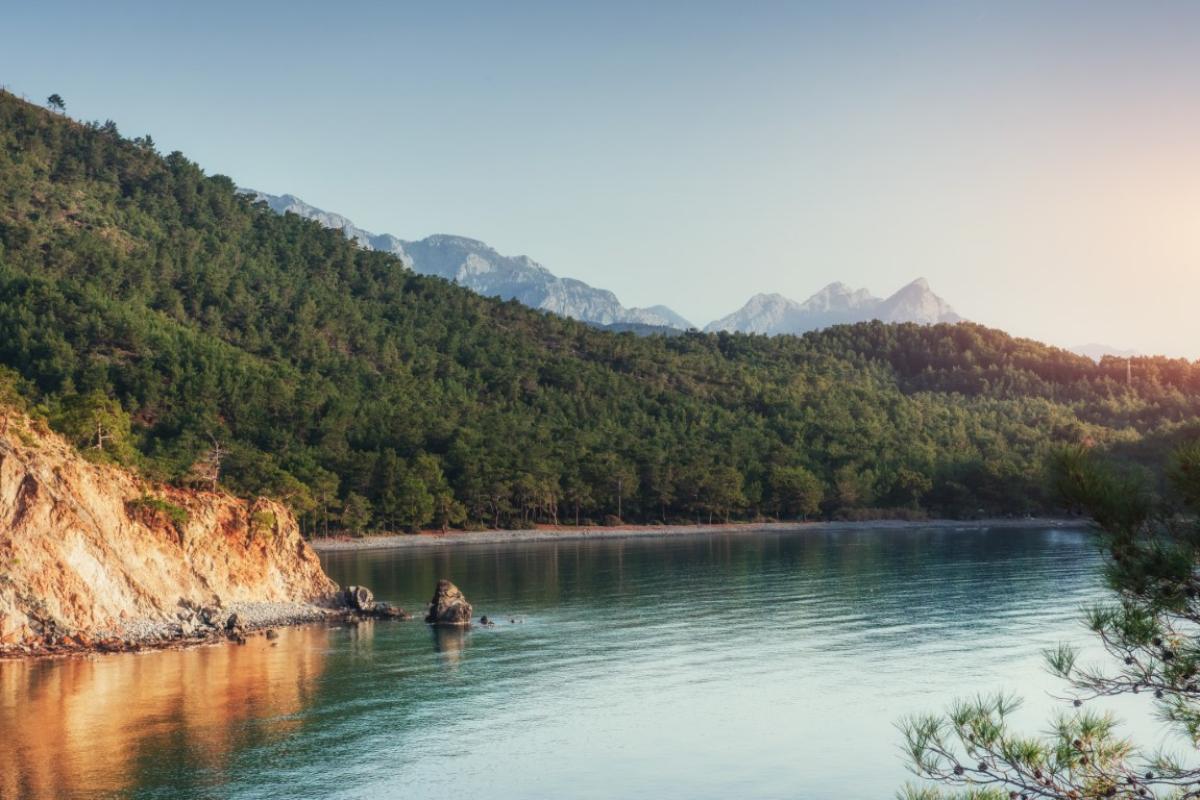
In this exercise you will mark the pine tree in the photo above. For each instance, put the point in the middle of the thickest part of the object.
(1152, 631)
(356, 514)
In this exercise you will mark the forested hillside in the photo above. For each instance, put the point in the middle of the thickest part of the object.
(160, 319)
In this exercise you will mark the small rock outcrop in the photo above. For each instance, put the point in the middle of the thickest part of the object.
(360, 598)
(212, 616)
(388, 611)
(448, 606)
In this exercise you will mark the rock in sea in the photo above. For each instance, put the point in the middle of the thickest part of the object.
(389, 611)
(448, 606)
(360, 598)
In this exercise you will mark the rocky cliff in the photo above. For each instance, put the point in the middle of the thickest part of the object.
(91, 555)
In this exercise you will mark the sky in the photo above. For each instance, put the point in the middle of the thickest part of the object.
(1037, 162)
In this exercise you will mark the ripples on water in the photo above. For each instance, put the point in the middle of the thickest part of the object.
(750, 666)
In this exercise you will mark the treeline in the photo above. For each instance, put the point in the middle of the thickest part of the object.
(160, 319)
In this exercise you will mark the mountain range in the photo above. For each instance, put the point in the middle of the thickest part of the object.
(836, 304)
(475, 265)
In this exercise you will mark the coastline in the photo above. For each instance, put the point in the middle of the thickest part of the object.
(188, 630)
(564, 533)
(258, 618)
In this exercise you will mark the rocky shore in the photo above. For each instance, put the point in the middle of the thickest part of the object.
(95, 559)
(212, 624)
(156, 634)
(569, 533)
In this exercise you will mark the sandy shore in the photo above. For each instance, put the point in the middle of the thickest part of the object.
(569, 533)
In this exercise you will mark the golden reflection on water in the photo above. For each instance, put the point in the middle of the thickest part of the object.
(84, 727)
(450, 644)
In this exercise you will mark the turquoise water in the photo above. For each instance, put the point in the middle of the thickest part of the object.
(725, 666)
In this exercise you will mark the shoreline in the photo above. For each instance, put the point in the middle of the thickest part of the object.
(259, 618)
(186, 630)
(146, 635)
(565, 533)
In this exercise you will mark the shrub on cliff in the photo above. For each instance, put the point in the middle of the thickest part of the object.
(155, 510)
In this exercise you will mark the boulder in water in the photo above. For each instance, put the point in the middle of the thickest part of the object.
(389, 611)
(360, 598)
(235, 629)
(448, 606)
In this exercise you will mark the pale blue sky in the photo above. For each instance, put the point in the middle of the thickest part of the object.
(1038, 162)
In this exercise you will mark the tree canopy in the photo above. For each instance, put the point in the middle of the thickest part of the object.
(370, 397)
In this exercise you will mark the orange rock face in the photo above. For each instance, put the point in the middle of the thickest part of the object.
(86, 548)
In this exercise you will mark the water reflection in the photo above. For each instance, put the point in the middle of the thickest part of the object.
(93, 727)
(450, 644)
(361, 636)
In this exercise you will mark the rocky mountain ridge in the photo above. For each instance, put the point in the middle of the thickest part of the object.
(475, 265)
(836, 304)
(479, 267)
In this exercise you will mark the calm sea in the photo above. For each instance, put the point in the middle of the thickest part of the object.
(727, 666)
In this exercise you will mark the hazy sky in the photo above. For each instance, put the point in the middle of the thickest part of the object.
(1038, 162)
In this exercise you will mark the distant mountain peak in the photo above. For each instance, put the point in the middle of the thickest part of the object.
(916, 302)
(837, 288)
(770, 298)
(479, 267)
(1097, 351)
(838, 297)
(762, 313)
(835, 304)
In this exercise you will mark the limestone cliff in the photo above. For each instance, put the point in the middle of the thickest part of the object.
(89, 550)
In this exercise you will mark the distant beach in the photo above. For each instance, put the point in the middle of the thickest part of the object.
(545, 533)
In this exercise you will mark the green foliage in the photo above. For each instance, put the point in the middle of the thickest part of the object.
(797, 492)
(1116, 501)
(263, 521)
(1152, 632)
(1183, 471)
(97, 425)
(13, 390)
(210, 339)
(356, 514)
(149, 509)
(911, 485)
